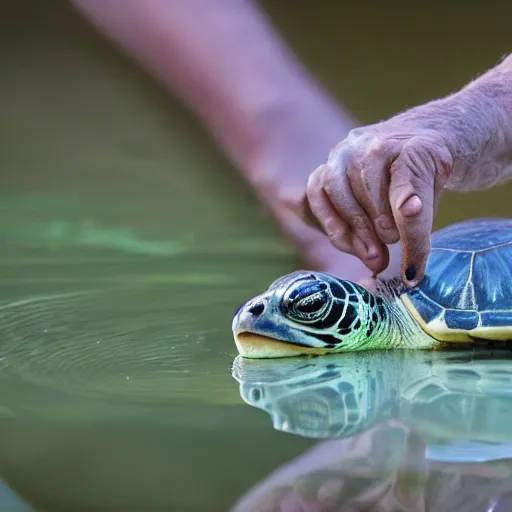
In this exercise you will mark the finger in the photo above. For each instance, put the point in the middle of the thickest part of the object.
(300, 205)
(369, 182)
(373, 252)
(412, 177)
(305, 212)
(336, 229)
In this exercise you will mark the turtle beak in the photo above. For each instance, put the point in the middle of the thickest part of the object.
(257, 337)
(246, 318)
(252, 332)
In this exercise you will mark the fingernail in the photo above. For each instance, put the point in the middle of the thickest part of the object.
(410, 273)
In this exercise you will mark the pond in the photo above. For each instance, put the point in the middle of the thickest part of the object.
(128, 242)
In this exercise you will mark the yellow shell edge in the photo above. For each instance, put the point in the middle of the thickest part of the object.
(441, 332)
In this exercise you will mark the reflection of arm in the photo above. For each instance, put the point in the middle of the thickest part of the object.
(221, 58)
(354, 473)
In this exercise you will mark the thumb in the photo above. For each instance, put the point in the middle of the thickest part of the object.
(411, 194)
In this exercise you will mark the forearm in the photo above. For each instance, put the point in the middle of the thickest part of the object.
(488, 102)
(477, 126)
(221, 58)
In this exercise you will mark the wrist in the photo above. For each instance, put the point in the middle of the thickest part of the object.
(475, 124)
(482, 141)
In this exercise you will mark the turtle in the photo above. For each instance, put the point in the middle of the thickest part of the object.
(464, 298)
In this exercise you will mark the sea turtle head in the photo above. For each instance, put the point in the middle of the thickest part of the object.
(307, 313)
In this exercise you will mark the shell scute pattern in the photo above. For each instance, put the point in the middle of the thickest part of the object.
(496, 319)
(495, 292)
(474, 235)
(460, 319)
(468, 276)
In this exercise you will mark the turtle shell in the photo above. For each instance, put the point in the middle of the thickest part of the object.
(467, 289)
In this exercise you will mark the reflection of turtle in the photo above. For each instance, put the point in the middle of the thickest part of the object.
(465, 296)
(400, 430)
(323, 398)
(448, 396)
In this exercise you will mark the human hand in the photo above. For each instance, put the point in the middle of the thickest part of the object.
(295, 143)
(382, 184)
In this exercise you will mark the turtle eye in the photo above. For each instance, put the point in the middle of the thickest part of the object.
(307, 301)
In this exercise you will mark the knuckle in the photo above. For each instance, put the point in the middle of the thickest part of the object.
(377, 148)
(364, 151)
(348, 151)
(368, 178)
(339, 240)
(375, 161)
(337, 150)
(416, 162)
(328, 172)
(356, 132)
(314, 182)
(430, 154)
(334, 228)
(361, 133)
(313, 199)
(310, 191)
(331, 182)
(333, 236)
(312, 196)
(353, 171)
(360, 223)
(311, 183)
(336, 232)
(362, 148)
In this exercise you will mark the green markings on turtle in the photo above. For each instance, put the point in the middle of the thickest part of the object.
(465, 297)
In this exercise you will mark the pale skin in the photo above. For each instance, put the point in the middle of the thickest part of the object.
(224, 60)
(383, 182)
(376, 196)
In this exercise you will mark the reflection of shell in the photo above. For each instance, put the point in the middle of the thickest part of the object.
(445, 394)
(468, 396)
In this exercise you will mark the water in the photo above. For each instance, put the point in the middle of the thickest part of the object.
(396, 431)
(128, 242)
